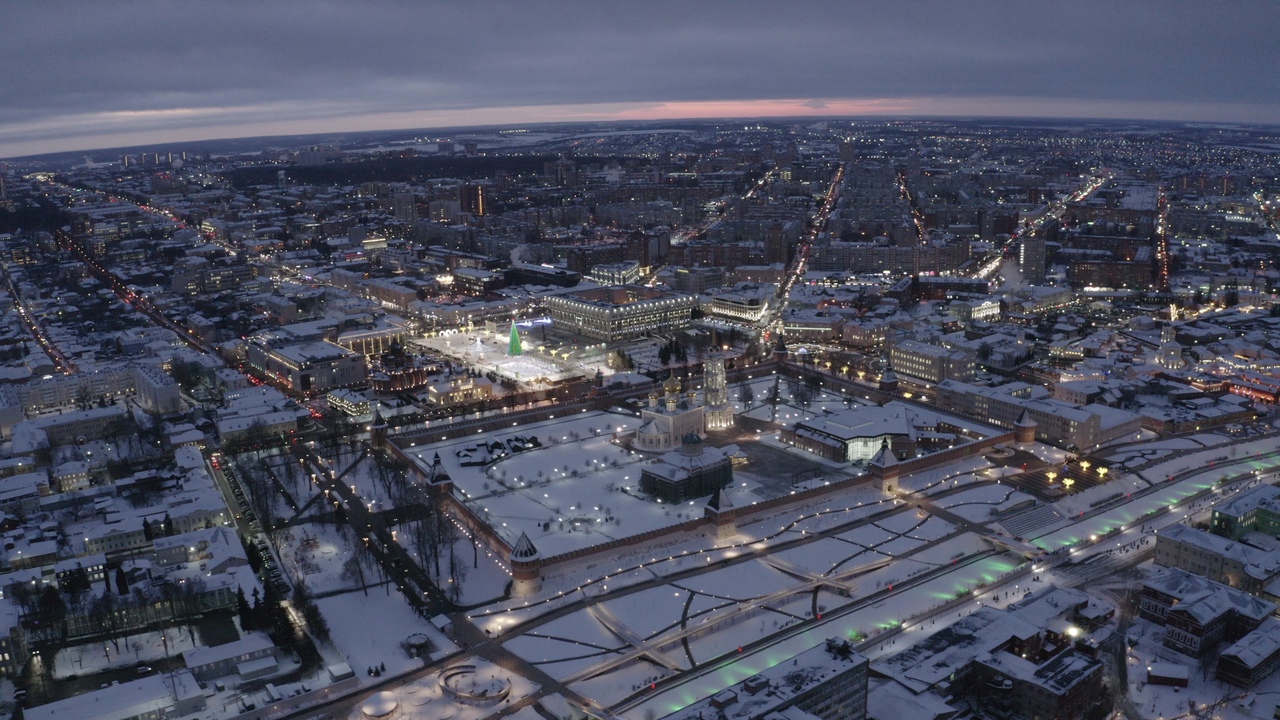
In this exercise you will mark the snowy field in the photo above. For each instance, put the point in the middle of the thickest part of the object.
(316, 553)
(752, 600)
(978, 503)
(568, 494)
(575, 490)
(1138, 454)
(389, 621)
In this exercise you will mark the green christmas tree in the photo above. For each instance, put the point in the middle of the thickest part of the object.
(515, 348)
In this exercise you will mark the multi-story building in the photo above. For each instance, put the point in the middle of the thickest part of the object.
(864, 333)
(695, 279)
(1198, 613)
(931, 363)
(812, 325)
(1220, 559)
(389, 293)
(307, 368)
(148, 385)
(1057, 422)
(162, 695)
(1031, 258)
(477, 282)
(1109, 273)
(459, 390)
(1257, 510)
(1253, 657)
(693, 471)
(744, 302)
(1020, 662)
(858, 434)
(348, 402)
(874, 257)
(195, 275)
(67, 428)
(617, 273)
(621, 312)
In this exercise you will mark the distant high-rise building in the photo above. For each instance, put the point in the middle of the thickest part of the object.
(1031, 258)
(405, 207)
(471, 198)
(562, 172)
(444, 147)
(776, 247)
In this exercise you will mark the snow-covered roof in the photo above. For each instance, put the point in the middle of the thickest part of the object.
(720, 501)
(978, 638)
(884, 456)
(151, 694)
(1205, 599)
(255, 642)
(777, 687)
(1258, 563)
(524, 549)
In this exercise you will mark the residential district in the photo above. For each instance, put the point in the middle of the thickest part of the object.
(896, 420)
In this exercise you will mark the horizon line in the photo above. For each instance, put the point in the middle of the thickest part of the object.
(791, 110)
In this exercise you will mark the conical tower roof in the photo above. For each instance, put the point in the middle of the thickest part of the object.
(884, 457)
(719, 502)
(1025, 420)
(438, 474)
(524, 550)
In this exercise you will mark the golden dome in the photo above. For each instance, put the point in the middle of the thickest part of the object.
(672, 385)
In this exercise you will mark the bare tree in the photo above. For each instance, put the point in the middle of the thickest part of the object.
(262, 495)
(353, 569)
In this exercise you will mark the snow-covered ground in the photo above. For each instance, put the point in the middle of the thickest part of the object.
(386, 621)
(978, 503)
(871, 620)
(1167, 495)
(568, 494)
(317, 553)
(425, 700)
(134, 650)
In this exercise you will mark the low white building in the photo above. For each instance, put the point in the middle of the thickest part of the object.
(154, 696)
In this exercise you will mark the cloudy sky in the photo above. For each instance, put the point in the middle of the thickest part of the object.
(81, 75)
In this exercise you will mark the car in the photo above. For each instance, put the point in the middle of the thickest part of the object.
(144, 669)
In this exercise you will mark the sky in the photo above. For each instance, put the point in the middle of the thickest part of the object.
(84, 75)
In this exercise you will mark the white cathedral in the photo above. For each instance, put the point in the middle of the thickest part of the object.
(666, 421)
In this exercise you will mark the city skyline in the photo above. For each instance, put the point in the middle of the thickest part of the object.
(158, 73)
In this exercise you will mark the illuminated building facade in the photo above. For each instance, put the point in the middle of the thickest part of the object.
(621, 312)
